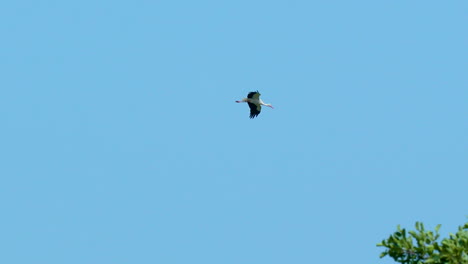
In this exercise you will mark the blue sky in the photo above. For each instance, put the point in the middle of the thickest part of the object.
(121, 141)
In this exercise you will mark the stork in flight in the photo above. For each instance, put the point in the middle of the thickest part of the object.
(255, 103)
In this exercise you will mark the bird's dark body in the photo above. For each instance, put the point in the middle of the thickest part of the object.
(254, 112)
(251, 94)
(255, 103)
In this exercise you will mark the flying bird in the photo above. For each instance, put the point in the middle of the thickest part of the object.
(255, 103)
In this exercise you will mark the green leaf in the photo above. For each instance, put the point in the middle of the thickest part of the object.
(417, 225)
(421, 246)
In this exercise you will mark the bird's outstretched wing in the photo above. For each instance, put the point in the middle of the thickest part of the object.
(254, 110)
(254, 95)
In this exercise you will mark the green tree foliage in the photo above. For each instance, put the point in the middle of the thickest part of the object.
(421, 246)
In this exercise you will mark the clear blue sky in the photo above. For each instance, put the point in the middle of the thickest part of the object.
(121, 141)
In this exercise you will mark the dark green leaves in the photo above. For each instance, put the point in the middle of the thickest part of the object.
(421, 246)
